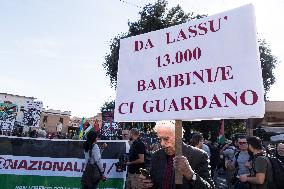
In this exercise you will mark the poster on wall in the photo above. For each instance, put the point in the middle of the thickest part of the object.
(8, 113)
(110, 128)
(31, 113)
(54, 164)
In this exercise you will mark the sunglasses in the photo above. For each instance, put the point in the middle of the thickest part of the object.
(241, 143)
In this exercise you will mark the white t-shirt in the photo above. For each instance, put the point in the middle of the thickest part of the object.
(96, 157)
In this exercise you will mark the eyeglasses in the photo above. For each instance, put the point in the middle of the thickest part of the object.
(241, 143)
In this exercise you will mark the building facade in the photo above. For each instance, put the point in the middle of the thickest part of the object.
(95, 121)
(273, 120)
(54, 121)
(274, 114)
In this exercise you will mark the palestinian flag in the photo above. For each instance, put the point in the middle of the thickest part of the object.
(88, 129)
(81, 128)
(27, 163)
(221, 138)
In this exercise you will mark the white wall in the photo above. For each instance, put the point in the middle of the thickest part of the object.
(19, 101)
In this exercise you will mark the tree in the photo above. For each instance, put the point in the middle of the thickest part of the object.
(108, 106)
(268, 63)
(157, 16)
(210, 128)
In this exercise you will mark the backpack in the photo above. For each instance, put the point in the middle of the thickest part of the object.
(236, 156)
(277, 172)
(92, 174)
(236, 166)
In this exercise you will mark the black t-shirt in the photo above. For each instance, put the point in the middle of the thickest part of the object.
(136, 148)
(261, 164)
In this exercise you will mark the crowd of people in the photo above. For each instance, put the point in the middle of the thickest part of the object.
(40, 133)
(244, 161)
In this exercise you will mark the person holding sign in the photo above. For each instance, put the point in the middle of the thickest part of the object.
(194, 164)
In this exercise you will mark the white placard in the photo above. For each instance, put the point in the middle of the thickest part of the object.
(203, 69)
(32, 112)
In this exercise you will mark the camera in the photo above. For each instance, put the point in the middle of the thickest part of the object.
(121, 164)
(145, 173)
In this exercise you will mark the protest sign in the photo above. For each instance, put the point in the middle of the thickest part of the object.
(8, 114)
(203, 69)
(32, 112)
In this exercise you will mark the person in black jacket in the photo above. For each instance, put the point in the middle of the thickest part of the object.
(194, 164)
(136, 159)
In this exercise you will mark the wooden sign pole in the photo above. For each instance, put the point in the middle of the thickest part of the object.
(178, 148)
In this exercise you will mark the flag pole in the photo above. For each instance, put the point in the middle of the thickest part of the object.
(221, 137)
(178, 148)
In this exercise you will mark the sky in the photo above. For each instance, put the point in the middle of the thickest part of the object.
(53, 50)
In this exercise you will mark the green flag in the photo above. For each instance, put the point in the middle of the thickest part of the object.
(221, 138)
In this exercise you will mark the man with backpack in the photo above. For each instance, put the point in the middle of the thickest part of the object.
(260, 176)
(228, 152)
(277, 163)
(240, 163)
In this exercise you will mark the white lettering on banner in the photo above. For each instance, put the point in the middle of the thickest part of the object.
(45, 166)
(203, 69)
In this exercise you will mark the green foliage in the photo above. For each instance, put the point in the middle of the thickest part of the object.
(211, 128)
(156, 17)
(233, 126)
(268, 63)
(111, 60)
(108, 106)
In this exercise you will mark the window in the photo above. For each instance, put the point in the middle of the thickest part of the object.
(44, 119)
(61, 120)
